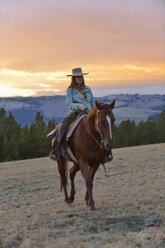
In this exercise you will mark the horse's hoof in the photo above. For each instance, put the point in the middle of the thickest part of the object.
(71, 199)
(93, 209)
(67, 201)
(93, 212)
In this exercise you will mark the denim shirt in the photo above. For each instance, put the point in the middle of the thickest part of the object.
(75, 99)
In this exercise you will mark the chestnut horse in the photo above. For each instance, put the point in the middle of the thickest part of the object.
(91, 137)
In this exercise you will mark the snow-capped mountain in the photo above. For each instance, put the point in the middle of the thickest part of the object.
(128, 106)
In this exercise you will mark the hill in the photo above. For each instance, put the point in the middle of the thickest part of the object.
(130, 203)
(134, 107)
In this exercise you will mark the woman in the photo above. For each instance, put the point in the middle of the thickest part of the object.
(79, 99)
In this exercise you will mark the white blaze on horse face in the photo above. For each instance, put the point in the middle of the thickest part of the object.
(97, 122)
(109, 123)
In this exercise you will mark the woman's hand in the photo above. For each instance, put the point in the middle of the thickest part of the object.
(83, 107)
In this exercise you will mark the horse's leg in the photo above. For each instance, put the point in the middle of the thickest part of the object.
(92, 174)
(89, 183)
(62, 172)
(87, 195)
(73, 172)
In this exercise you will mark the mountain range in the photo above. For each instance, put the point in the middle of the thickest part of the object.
(128, 106)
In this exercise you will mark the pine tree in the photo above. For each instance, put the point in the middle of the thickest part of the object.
(2, 118)
(10, 126)
(23, 143)
(2, 141)
(32, 142)
(51, 125)
(41, 149)
(150, 132)
(38, 144)
(161, 126)
(124, 134)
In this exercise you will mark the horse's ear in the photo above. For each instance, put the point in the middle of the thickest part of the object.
(112, 104)
(98, 105)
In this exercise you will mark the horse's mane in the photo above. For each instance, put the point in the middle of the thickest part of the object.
(92, 112)
(91, 115)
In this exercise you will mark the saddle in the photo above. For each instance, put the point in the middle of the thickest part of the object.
(73, 126)
(68, 135)
(71, 129)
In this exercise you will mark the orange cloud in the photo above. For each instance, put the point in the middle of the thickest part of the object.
(114, 40)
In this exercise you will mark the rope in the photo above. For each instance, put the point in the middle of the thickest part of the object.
(92, 134)
(105, 170)
(97, 143)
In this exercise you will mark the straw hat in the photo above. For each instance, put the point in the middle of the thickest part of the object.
(76, 72)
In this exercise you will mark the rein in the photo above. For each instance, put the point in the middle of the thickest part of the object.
(96, 142)
(92, 134)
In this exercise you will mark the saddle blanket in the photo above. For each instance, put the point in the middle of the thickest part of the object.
(72, 127)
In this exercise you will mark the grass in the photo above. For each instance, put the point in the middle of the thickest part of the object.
(130, 204)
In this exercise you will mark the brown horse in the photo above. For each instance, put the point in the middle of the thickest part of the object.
(91, 137)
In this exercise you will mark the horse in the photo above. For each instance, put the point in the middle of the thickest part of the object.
(88, 142)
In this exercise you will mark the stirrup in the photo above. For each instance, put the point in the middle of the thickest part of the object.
(54, 156)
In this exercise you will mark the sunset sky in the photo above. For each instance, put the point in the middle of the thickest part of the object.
(121, 43)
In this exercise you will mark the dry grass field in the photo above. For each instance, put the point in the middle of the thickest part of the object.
(130, 204)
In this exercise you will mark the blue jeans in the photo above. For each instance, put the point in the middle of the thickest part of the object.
(59, 138)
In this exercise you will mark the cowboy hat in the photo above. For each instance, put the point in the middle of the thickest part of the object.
(76, 72)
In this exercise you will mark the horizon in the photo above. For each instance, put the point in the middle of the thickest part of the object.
(120, 43)
(108, 92)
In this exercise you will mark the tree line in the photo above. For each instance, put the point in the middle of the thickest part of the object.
(149, 132)
(18, 142)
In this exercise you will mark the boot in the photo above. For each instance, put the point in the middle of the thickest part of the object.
(56, 152)
(54, 156)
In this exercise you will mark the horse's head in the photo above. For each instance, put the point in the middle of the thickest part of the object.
(105, 122)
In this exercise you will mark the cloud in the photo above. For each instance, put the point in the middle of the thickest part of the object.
(9, 91)
(115, 40)
(61, 33)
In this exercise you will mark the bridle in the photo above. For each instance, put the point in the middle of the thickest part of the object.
(98, 128)
(100, 145)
